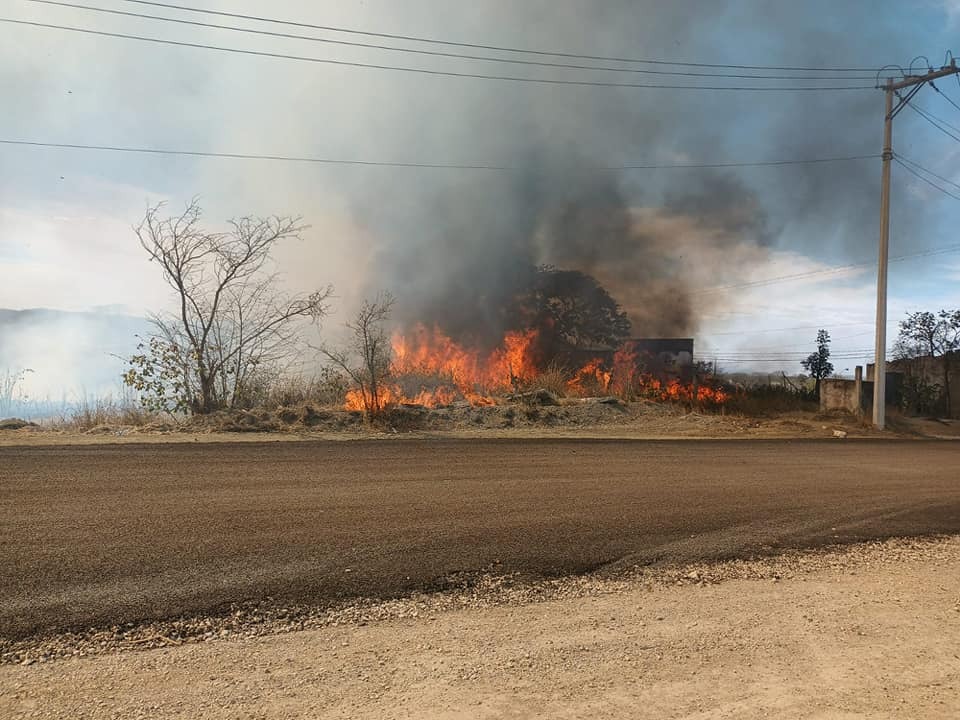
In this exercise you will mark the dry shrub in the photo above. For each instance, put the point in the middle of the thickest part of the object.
(554, 379)
(328, 389)
(760, 400)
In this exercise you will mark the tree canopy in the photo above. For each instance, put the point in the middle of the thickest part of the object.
(576, 309)
(232, 322)
(818, 363)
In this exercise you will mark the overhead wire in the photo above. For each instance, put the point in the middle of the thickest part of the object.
(924, 179)
(437, 73)
(939, 125)
(945, 96)
(786, 357)
(827, 271)
(437, 53)
(498, 48)
(381, 163)
(493, 167)
(926, 111)
(797, 358)
(920, 167)
(796, 327)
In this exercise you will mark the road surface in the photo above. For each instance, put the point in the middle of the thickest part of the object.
(94, 535)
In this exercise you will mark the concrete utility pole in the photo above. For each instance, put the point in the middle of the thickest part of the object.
(914, 82)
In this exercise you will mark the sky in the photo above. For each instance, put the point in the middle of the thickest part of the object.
(66, 216)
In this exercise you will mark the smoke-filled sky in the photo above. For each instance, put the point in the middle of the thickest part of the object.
(450, 243)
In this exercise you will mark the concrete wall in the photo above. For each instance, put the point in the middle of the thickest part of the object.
(841, 395)
(856, 396)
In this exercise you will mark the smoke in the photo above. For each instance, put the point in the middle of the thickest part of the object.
(455, 246)
(69, 356)
(457, 253)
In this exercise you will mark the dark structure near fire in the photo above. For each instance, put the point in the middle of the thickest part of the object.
(664, 358)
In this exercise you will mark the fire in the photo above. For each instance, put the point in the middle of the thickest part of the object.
(432, 353)
(590, 375)
(441, 371)
(388, 395)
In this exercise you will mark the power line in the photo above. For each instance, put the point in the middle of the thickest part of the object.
(927, 181)
(440, 73)
(499, 48)
(925, 111)
(929, 118)
(791, 355)
(866, 354)
(784, 278)
(437, 53)
(783, 351)
(945, 96)
(798, 327)
(920, 167)
(787, 354)
(828, 271)
(710, 358)
(768, 163)
(445, 166)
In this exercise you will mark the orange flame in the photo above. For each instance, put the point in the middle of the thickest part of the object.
(592, 375)
(453, 372)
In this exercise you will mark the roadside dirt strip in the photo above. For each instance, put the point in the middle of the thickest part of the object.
(867, 631)
(97, 536)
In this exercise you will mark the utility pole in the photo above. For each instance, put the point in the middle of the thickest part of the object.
(914, 82)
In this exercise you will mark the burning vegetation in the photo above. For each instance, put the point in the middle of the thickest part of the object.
(521, 329)
(431, 369)
(560, 331)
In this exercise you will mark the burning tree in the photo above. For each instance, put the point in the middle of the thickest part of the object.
(367, 359)
(232, 324)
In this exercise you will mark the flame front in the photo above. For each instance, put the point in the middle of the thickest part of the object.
(432, 353)
(431, 369)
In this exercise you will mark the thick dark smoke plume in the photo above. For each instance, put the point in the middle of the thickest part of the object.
(460, 250)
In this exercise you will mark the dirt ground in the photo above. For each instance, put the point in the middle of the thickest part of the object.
(111, 534)
(869, 631)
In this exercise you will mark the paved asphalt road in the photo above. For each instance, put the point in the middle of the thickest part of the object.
(104, 534)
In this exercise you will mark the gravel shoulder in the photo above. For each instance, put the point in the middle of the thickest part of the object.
(868, 630)
(107, 535)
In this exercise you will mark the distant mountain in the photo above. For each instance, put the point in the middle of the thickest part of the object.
(71, 354)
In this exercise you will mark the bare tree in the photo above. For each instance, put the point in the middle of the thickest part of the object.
(232, 323)
(367, 356)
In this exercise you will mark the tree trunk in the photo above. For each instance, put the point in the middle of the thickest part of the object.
(207, 393)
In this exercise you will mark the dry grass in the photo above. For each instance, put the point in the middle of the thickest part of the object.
(327, 389)
(104, 413)
(554, 379)
(766, 400)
